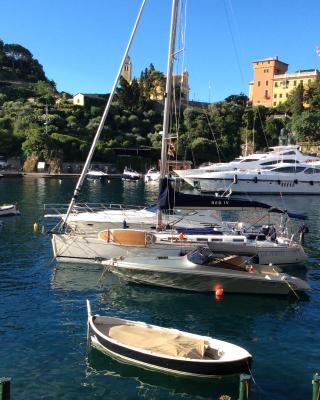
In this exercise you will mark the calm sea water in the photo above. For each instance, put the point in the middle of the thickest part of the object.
(43, 314)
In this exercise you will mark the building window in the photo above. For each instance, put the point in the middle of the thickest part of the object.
(274, 103)
(294, 83)
(259, 83)
(286, 95)
(267, 83)
(276, 84)
(266, 94)
(301, 81)
(265, 71)
(280, 95)
(275, 95)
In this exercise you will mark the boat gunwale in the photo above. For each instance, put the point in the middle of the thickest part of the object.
(165, 356)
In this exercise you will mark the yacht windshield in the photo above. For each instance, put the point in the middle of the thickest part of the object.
(290, 170)
(200, 256)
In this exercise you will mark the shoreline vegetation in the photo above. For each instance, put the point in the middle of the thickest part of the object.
(38, 123)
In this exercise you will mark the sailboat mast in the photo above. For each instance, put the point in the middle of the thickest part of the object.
(168, 95)
(104, 116)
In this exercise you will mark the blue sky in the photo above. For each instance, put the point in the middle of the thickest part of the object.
(80, 43)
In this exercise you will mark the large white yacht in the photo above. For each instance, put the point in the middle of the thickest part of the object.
(284, 178)
(277, 154)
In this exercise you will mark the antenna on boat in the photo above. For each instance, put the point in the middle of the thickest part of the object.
(103, 118)
(167, 101)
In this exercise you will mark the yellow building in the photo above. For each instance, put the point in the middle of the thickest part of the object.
(272, 84)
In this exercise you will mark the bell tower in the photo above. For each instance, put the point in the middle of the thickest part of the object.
(127, 70)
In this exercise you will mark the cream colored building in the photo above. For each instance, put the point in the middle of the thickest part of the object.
(178, 81)
(127, 70)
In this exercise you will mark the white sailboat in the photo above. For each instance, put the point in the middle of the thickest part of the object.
(94, 246)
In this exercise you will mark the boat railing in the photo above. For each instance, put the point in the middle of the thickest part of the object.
(58, 209)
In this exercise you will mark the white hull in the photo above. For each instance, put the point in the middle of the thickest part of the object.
(275, 186)
(276, 155)
(7, 210)
(88, 249)
(179, 273)
(91, 248)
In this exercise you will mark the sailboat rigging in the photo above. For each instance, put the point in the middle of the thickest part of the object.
(106, 244)
(103, 119)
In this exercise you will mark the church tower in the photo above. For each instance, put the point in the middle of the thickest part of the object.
(127, 70)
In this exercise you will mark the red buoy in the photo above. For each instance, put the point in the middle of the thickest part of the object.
(219, 292)
(181, 236)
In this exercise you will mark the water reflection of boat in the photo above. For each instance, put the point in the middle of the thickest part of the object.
(149, 381)
(76, 277)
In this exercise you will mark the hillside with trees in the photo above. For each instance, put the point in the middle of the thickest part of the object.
(39, 123)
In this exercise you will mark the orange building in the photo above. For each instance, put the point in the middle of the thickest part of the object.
(261, 88)
(272, 84)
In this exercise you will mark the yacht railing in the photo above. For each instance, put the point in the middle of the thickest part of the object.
(58, 209)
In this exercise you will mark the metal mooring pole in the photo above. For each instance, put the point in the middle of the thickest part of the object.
(316, 386)
(244, 387)
(5, 388)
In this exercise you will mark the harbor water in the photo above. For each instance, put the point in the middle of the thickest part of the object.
(43, 312)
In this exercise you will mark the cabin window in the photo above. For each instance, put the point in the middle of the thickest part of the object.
(290, 170)
(291, 161)
(250, 159)
(270, 162)
(312, 171)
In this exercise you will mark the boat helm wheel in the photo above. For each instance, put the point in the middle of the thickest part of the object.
(149, 238)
